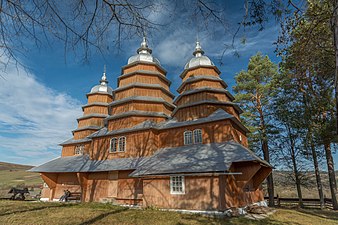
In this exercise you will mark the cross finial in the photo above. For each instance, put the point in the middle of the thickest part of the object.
(104, 80)
(198, 50)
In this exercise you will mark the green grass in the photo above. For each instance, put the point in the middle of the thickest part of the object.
(19, 179)
(16, 212)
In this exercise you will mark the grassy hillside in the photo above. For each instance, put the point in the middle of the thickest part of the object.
(12, 166)
(15, 175)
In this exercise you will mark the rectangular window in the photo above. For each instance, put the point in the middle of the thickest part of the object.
(197, 136)
(122, 144)
(177, 185)
(113, 145)
(187, 137)
(79, 150)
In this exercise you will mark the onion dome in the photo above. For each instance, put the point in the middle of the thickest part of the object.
(143, 54)
(103, 86)
(199, 59)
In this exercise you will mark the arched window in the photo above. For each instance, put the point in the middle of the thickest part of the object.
(79, 150)
(113, 145)
(187, 137)
(122, 144)
(197, 136)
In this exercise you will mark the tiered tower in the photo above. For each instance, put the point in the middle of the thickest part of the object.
(142, 93)
(202, 91)
(94, 113)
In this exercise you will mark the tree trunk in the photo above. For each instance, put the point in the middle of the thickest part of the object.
(270, 177)
(332, 176)
(317, 173)
(296, 174)
(335, 36)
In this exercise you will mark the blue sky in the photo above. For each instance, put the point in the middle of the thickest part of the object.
(39, 105)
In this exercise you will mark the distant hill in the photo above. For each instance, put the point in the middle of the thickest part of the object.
(12, 166)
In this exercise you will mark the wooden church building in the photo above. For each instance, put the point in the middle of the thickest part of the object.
(138, 144)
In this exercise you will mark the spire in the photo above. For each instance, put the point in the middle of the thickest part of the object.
(104, 80)
(144, 47)
(198, 50)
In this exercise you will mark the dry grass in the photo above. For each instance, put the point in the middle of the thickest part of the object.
(16, 212)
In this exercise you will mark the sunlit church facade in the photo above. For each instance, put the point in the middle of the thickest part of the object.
(138, 144)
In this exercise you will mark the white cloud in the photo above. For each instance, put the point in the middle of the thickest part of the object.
(34, 119)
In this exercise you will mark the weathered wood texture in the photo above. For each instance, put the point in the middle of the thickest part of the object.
(200, 96)
(98, 97)
(142, 66)
(141, 106)
(83, 133)
(127, 122)
(92, 121)
(201, 83)
(202, 110)
(205, 71)
(214, 132)
(95, 109)
(143, 78)
(143, 91)
(200, 193)
(69, 150)
(138, 144)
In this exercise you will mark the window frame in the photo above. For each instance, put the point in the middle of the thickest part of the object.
(174, 184)
(124, 141)
(185, 137)
(198, 137)
(116, 145)
(79, 150)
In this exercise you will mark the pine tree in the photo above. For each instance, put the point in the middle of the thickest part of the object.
(254, 90)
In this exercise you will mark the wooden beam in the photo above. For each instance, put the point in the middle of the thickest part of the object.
(248, 170)
(261, 175)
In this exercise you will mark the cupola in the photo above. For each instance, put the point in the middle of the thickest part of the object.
(143, 54)
(200, 59)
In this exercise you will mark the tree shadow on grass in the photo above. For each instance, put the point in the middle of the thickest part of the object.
(327, 214)
(234, 221)
(36, 209)
(103, 215)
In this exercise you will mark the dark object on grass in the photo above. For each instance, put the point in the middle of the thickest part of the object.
(18, 194)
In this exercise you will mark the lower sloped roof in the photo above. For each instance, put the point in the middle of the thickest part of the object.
(82, 163)
(199, 158)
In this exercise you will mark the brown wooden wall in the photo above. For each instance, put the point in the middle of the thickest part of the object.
(95, 109)
(202, 83)
(138, 144)
(215, 132)
(200, 71)
(96, 97)
(140, 91)
(141, 106)
(82, 134)
(143, 78)
(92, 121)
(237, 197)
(69, 150)
(202, 110)
(200, 96)
(96, 186)
(142, 67)
(66, 181)
(127, 122)
(200, 193)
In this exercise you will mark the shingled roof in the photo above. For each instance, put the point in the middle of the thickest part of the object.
(199, 158)
(82, 163)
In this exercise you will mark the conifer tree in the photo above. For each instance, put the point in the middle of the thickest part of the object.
(254, 89)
